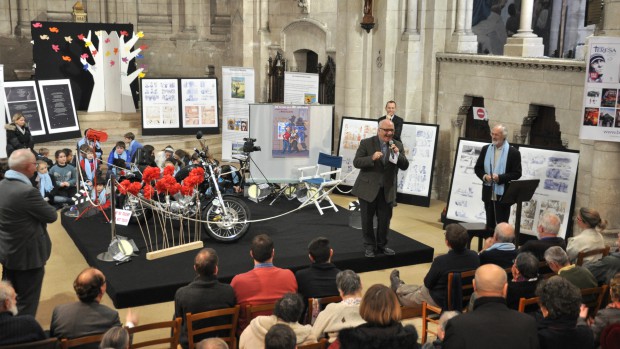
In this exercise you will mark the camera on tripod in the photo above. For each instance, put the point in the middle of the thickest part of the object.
(249, 146)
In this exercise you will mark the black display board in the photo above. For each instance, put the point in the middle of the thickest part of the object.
(57, 51)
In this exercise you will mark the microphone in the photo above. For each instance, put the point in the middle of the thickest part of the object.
(390, 143)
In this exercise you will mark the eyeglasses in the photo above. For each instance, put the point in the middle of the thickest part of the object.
(387, 130)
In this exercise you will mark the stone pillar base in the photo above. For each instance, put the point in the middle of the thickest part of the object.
(524, 47)
(463, 43)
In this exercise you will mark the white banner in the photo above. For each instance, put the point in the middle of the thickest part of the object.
(237, 94)
(600, 119)
(301, 88)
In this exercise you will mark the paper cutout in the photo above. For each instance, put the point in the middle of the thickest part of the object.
(32, 42)
(107, 40)
(140, 35)
(116, 50)
(85, 66)
(140, 56)
(112, 63)
(44, 37)
(141, 75)
(107, 53)
(37, 25)
(68, 39)
(66, 58)
(99, 33)
(124, 33)
(94, 52)
(87, 44)
(55, 48)
(80, 36)
(54, 30)
(144, 47)
(124, 59)
(84, 55)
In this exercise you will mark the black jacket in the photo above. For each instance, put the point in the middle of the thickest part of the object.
(369, 336)
(513, 169)
(564, 333)
(319, 280)
(17, 140)
(19, 329)
(538, 247)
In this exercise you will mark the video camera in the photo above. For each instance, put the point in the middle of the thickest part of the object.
(249, 146)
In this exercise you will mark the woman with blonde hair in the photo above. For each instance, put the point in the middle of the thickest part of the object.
(381, 311)
(18, 135)
(591, 224)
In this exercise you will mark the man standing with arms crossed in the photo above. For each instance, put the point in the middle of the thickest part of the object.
(390, 114)
(378, 158)
(25, 245)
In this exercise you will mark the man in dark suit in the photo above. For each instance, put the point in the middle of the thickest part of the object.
(491, 324)
(87, 316)
(390, 114)
(25, 245)
(203, 294)
(319, 280)
(498, 164)
(378, 158)
(548, 229)
(16, 329)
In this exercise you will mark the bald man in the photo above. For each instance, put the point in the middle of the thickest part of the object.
(548, 230)
(491, 324)
(25, 245)
(500, 248)
(379, 158)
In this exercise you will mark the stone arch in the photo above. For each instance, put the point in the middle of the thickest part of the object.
(303, 35)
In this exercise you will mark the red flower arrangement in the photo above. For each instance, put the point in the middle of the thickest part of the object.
(166, 185)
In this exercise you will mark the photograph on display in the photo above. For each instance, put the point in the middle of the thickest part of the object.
(237, 87)
(609, 97)
(593, 98)
(291, 136)
(58, 105)
(617, 118)
(419, 143)
(606, 117)
(199, 102)
(590, 117)
(160, 103)
(22, 97)
(309, 98)
(528, 216)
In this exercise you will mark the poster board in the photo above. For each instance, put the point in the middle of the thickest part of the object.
(600, 117)
(264, 127)
(301, 88)
(23, 97)
(160, 103)
(199, 104)
(57, 98)
(556, 169)
(420, 145)
(237, 95)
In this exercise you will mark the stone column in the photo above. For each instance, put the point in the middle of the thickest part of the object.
(463, 41)
(23, 18)
(188, 20)
(264, 15)
(411, 23)
(469, 13)
(525, 43)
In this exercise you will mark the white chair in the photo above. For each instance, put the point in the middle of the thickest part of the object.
(320, 184)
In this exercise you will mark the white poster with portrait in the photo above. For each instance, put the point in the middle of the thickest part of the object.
(237, 94)
(199, 103)
(600, 117)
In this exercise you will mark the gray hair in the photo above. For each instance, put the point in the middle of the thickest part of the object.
(212, 343)
(504, 232)
(503, 128)
(527, 265)
(19, 159)
(550, 223)
(447, 315)
(348, 282)
(556, 255)
(115, 338)
(6, 292)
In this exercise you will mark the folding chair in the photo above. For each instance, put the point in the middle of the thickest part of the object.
(320, 184)
(168, 327)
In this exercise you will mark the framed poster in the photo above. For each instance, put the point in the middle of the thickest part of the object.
(58, 104)
(160, 103)
(22, 97)
(237, 94)
(301, 88)
(556, 169)
(199, 103)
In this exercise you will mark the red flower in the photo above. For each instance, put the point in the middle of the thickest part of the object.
(187, 190)
(198, 172)
(168, 170)
(134, 188)
(124, 186)
(148, 191)
(150, 174)
(166, 184)
(174, 188)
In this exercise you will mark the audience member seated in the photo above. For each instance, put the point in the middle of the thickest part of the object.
(118, 160)
(95, 144)
(559, 303)
(15, 329)
(319, 280)
(184, 172)
(383, 329)
(46, 185)
(87, 316)
(604, 269)
(143, 158)
(132, 144)
(280, 336)
(89, 167)
(44, 154)
(203, 294)
(524, 279)
(344, 314)
(182, 157)
(548, 229)
(590, 238)
(491, 324)
(557, 259)
(162, 156)
(115, 338)
(265, 283)
(441, 330)
(607, 316)
(212, 343)
(173, 163)
(288, 310)
(500, 248)
(64, 176)
(435, 286)
(229, 180)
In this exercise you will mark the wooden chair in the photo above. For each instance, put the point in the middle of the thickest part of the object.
(252, 311)
(230, 326)
(582, 255)
(544, 271)
(50, 343)
(171, 341)
(70, 343)
(524, 302)
(467, 288)
(320, 305)
(321, 344)
(430, 314)
(597, 294)
(410, 312)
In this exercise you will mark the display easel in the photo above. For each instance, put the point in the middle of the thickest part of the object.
(517, 192)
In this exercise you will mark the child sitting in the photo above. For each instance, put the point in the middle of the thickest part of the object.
(118, 160)
(46, 186)
(88, 165)
(99, 194)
